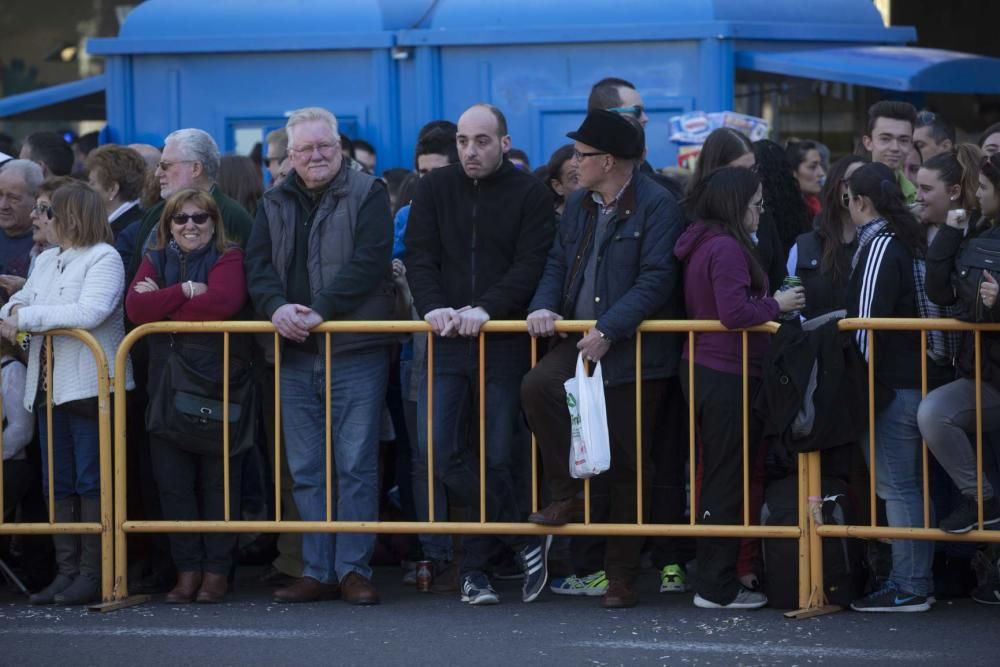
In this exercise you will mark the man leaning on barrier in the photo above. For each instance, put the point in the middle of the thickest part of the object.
(475, 247)
(612, 261)
(321, 250)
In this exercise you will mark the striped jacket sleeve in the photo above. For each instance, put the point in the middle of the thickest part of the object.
(881, 284)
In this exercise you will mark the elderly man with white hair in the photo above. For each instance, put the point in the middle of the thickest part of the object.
(19, 182)
(190, 159)
(321, 249)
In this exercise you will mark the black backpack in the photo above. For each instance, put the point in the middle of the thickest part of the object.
(843, 558)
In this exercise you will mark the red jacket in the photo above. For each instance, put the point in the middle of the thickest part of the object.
(226, 295)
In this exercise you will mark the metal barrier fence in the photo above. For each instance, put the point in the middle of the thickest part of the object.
(808, 532)
(125, 526)
(872, 530)
(106, 527)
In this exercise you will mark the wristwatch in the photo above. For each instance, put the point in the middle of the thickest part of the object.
(605, 337)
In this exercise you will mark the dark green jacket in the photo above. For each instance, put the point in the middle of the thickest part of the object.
(235, 219)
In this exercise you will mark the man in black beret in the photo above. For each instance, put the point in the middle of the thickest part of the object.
(612, 262)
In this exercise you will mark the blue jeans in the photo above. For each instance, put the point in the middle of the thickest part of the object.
(898, 463)
(456, 382)
(76, 462)
(357, 395)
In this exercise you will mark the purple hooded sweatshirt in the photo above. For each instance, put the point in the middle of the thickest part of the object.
(717, 287)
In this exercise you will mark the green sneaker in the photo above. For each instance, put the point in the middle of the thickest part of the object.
(673, 579)
(593, 585)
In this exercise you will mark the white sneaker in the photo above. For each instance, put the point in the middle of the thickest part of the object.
(745, 599)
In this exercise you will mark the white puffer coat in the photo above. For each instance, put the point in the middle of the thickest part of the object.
(78, 288)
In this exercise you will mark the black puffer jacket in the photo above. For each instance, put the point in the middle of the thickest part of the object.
(942, 276)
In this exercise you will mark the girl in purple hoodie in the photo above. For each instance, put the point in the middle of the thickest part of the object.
(723, 280)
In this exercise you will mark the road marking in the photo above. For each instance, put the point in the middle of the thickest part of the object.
(772, 650)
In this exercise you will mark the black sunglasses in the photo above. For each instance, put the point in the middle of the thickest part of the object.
(636, 110)
(42, 209)
(196, 218)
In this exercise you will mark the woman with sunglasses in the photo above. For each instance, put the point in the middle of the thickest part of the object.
(191, 274)
(77, 284)
(822, 257)
(947, 416)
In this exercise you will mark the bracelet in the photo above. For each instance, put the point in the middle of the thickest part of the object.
(190, 285)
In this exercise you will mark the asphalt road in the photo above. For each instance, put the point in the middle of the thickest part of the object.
(412, 628)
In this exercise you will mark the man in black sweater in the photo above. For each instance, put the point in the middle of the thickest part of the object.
(476, 243)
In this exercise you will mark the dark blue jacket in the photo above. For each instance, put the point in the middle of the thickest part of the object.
(638, 277)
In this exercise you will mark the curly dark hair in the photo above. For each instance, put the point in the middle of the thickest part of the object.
(781, 192)
(830, 221)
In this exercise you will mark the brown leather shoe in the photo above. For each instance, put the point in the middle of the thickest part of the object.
(307, 589)
(185, 589)
(356, 589)
(213, 588)
(620, 594)
(559, 513)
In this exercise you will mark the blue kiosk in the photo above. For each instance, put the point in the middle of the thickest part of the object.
(385, 67)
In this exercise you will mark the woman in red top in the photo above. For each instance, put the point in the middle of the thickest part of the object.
(191, 274)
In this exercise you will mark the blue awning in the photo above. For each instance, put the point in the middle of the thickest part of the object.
(77, 100)
(900, 68)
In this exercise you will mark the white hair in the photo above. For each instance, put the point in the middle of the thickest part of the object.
(29, 172)
(308, 115)
(197, 145)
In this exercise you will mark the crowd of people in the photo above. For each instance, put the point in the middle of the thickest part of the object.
(128, 235)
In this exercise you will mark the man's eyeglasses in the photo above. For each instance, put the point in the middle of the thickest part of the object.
(196, 218)
(579, 156)
(165, 166)
(42, 209)
(277, 159)
(636, 110)
(324, 149)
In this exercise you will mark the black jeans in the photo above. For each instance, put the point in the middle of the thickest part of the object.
(191, 489)
(718, 413)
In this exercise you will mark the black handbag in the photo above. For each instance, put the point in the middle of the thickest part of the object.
(977, 255)
(185, 406)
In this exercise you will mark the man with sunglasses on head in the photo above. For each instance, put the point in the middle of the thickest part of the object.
(932, 135)
(321, 249)
(190, 159)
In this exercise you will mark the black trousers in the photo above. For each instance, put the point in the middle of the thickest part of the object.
(191, 489)
(543, 399)
(718, 407)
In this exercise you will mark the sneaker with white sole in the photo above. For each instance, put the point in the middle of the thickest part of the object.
(965, 517)
(476, 590)
(592, 585)
(673, 579)
(892, 599)
(534, 561)
(745, 599)
(987, 594)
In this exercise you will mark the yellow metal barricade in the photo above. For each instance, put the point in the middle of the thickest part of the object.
(124, 526)
(106, 527)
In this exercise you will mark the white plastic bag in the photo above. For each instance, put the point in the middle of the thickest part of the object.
(590, 445)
